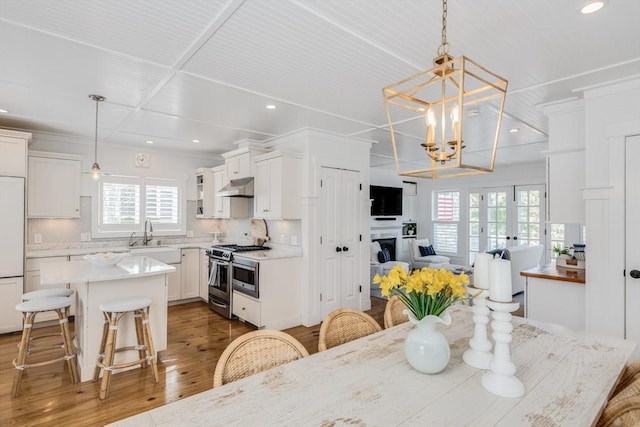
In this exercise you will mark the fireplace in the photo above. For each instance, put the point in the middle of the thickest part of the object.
(390, 244)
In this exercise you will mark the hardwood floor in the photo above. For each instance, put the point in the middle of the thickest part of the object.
(196, 338)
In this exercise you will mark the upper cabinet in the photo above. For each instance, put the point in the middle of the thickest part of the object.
(238, 166)
(239, 162)
(227, 207)
(277, 187)
(205, 193)
(53, 187)
(13, 146)
(566, 162)
(409, 201)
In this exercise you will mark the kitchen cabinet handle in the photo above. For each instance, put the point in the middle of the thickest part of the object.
(635, 274)
(346, 249)
(338, 249)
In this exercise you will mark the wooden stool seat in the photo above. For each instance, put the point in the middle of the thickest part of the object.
(113, 311)
(29, 310)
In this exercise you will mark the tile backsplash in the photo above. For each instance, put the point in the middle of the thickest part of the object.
(66, 232)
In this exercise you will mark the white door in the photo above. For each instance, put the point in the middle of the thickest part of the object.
(340, 201)
(513, 216)
(11, 227)
(632, 236)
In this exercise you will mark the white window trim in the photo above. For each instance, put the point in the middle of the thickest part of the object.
(99, 230)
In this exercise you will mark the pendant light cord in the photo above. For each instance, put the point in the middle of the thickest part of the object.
(95, 158)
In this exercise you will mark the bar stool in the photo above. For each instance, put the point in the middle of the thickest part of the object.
(51, 292)
(29, 310)
(113, 311)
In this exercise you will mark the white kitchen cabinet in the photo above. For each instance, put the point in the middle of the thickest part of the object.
(205, 193)
(246, 308)
(174, 283)
(227, 207)
(190, 286)
(13, 146)
(32, 281)
(278, 306)
(409, 201)
(238, 166)
(277, 187)
(204, 275)
(53, 186)
(10, 291)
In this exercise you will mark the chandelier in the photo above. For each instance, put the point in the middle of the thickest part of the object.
(435, 103)
(95, 169)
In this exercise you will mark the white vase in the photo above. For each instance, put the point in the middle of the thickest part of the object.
(425, 348)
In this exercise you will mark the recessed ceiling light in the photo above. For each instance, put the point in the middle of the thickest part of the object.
(592, 6)
(149, 141)
(514, 130)
(421, 110)
(195, 141)
(271, 107)
(3, 111)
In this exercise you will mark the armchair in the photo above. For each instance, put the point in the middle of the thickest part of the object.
(420, 261)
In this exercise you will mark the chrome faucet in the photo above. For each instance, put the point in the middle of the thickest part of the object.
(145, 239)
(131, 241)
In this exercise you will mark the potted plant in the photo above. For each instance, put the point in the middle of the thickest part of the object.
(410, 229)
(561, 252)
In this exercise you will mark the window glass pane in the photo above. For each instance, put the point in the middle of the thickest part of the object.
(534, 214)
(523, 199)
(120, 203)
(501, 214)
(523, 214)
(474, 229)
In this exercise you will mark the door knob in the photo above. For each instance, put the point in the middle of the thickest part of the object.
(515, 237)
(508, 237)
(635, 274)
(346, 249)
(338, 249)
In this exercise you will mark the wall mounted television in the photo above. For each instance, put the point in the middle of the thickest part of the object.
(386, 201)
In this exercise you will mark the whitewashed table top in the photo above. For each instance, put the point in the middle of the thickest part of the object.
(568, 377)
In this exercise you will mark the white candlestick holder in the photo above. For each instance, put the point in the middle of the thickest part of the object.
(479, 355)
(501, 379)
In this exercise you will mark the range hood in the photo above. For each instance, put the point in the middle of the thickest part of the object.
(242, 187)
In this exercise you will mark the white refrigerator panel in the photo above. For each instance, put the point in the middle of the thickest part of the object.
(11, 226)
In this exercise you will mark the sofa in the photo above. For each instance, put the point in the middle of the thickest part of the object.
(522, 257)
(419, 261)
(381, 268)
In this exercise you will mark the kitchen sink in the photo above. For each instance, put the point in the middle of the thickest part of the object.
(166, 254)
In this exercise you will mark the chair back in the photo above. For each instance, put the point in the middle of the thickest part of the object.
(255, 352)
(415, 248)
(393, 312)
(344, 325)
(623, 409)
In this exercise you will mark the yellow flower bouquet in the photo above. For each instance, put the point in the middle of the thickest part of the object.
(425, 292)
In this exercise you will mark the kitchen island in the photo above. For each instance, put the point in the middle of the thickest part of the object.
(556, 294)
(132, 277)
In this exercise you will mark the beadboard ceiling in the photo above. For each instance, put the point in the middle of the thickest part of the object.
(174, 71)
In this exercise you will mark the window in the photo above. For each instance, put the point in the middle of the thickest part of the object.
(124, 203)
(557, 237)
(445, 219)
(474, 225)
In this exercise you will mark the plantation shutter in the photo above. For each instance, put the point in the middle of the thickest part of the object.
(120, 203)
(446, 217)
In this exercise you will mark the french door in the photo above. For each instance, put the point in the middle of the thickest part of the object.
(512, 216)
(340, 203)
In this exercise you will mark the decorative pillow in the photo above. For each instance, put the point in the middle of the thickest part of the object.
(384, 256)
(427, 250)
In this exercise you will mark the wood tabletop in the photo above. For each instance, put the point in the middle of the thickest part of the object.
(553, 272)
(567, 376)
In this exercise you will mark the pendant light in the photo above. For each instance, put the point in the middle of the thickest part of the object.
(95, 169)
(434, 104)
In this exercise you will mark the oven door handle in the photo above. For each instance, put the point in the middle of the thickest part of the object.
(218, 304)
(213, 272)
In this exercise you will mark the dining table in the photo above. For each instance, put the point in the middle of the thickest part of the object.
(568, 377)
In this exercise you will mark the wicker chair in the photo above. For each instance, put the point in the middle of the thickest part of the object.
(344, 325)
(255, 352)
(623, 409)
(393, 312)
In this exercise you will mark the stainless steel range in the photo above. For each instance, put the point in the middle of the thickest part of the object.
(226, 274)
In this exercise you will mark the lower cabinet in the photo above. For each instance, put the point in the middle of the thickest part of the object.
(246, 308)
(10, 292)
(174, 283)
(279, 304)
(204, 275)
(556, 301)
(184, 283)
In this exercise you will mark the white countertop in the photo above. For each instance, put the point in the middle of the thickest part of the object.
(62, 272)
(268, 254)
